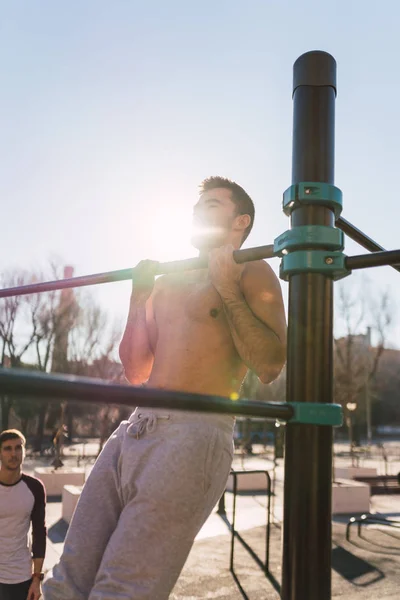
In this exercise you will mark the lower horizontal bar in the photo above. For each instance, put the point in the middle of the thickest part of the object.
(85, 389)
(188, 264)
(375, 259)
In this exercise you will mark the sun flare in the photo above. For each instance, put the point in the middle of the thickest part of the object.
(170, 234)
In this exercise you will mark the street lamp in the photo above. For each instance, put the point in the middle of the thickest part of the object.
(351, 407)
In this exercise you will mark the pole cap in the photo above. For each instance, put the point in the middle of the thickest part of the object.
(315, 68)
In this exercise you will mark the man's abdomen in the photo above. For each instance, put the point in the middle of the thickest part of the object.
(197, 366)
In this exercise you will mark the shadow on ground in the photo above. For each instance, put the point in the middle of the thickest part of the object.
(356, 570)
(359, 570)
(57, 532)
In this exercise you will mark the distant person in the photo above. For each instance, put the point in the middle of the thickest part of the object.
(58, 443)
(22, 502)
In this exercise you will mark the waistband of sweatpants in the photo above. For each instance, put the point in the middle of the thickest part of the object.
(222, 421)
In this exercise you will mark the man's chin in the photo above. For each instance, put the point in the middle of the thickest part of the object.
(200, 244)
(207, 241)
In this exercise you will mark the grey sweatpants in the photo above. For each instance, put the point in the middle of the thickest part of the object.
(153, 486)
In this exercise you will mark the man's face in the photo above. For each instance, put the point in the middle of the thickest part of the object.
(213, 218)
(12, 454)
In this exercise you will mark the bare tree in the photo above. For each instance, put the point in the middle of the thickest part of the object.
(15, 338)
(92, 351)
(361, 315)
(48, 319)
(87, 336)
(55, 331)
(106, 368)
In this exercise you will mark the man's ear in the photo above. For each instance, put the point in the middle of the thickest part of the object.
(242, 222)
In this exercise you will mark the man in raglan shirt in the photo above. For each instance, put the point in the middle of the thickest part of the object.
(22, 503)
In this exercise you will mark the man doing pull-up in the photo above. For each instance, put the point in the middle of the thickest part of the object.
(162, 471)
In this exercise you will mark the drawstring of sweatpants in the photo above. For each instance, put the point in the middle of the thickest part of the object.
(144, 423)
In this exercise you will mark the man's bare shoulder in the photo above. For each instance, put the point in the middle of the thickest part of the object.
(261, 273)
(168, 281)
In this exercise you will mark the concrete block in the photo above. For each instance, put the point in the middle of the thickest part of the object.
(350, 496)
(70, 497)
(54, 480)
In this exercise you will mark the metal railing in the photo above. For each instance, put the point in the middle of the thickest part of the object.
(235, 535)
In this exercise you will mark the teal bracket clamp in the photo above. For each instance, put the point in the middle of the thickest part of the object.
(309, 236)
(315, 413)
(311, 192)
(331, 264)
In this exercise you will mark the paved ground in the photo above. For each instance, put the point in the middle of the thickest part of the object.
(363, 568)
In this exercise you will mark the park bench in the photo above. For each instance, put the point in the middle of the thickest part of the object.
(370, 519)
(381, 484)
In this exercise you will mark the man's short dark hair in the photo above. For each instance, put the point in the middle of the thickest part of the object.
(11, 434)
(244, 204)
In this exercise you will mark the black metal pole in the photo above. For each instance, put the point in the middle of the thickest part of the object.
(188, 264)
(376, 259)
(306, 563)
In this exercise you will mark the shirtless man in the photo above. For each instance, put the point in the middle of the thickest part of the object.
(162, 472)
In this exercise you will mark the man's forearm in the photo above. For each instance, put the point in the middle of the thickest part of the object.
(258, 346)
(37, 565)
(134, 350)
(135, 325)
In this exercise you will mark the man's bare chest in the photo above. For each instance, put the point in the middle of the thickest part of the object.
(192, 301)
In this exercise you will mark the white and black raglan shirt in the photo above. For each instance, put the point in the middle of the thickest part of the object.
(21, 504)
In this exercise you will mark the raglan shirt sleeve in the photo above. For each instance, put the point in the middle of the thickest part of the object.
(38, 519)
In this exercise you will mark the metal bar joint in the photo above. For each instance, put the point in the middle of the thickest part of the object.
(331, 264)
(311, 192)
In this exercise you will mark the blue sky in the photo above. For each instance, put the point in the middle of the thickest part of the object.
(111, 113)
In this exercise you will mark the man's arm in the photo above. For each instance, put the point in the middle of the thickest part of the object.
(38, 535)
(37, 565)
(135, 350)
(38, 518)
(35, 589)
(253, 305)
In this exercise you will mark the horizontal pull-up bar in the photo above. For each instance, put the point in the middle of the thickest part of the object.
(375, 259)
(240, 256)
(189, 264)
(85, 389)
